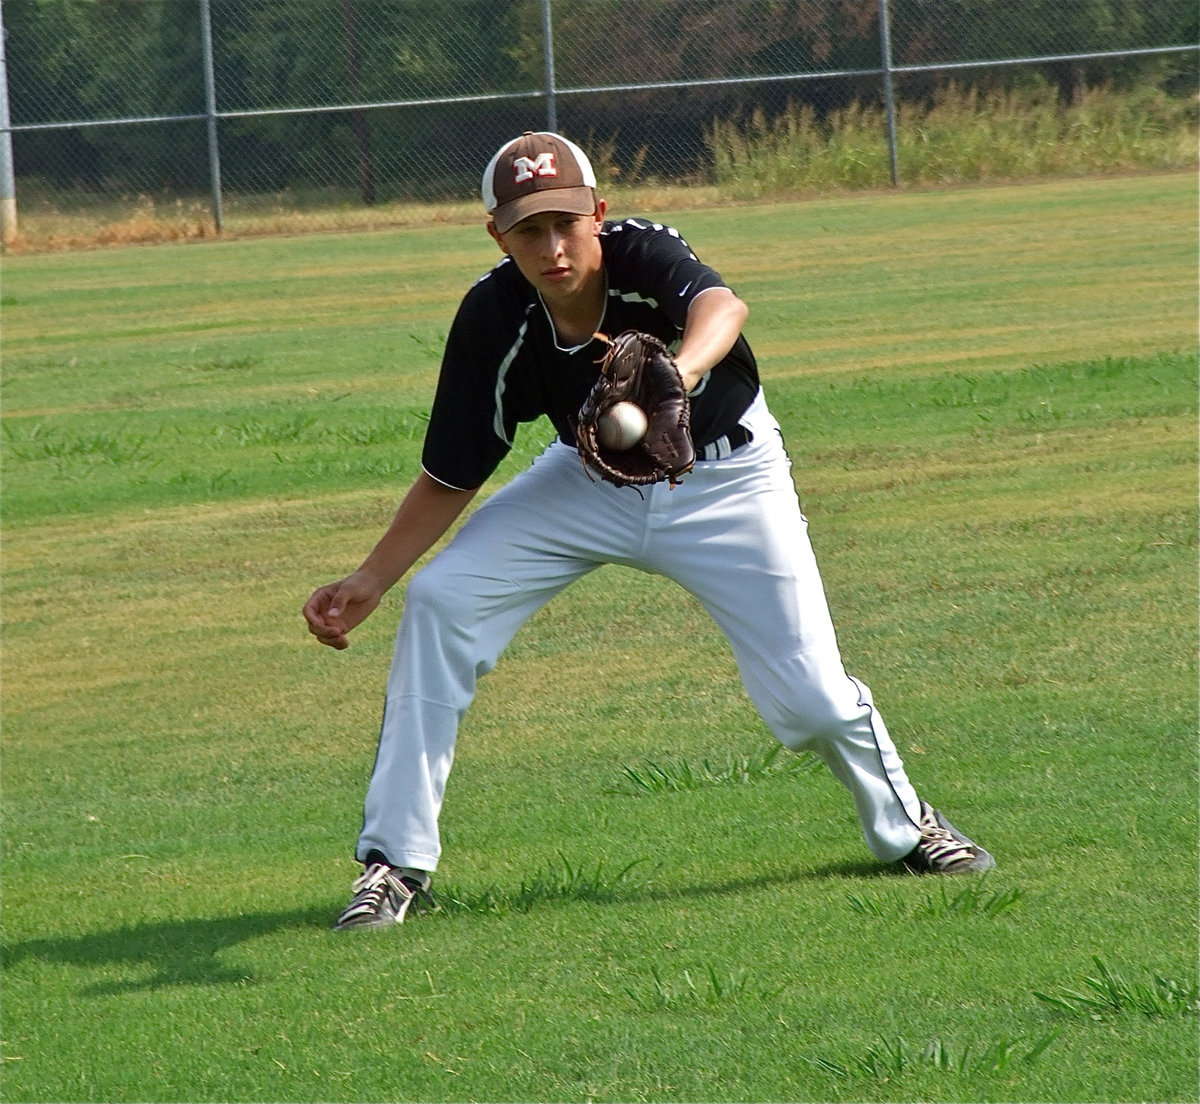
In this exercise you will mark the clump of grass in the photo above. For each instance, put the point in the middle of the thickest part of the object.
(890, 1059)
(39, 442)
(963, 135)
(681, 775)
(1108, 993)
(556, 883)
(260, 431)
(231, 364)
(710, 987)
(971, 899)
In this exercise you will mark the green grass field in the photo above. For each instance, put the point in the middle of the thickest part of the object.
(989, 395)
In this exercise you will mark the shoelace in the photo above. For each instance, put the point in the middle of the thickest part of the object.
(372, 886)
(940, 845)
(943, 848)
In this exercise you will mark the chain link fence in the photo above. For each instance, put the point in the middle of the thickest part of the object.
(240, 115)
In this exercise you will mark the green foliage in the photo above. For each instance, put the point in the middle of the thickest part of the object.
(969, 899)
(69, 60)
(889, 1060)
(681, 776)
(710, 987)
(1108, 992)
(557, 883)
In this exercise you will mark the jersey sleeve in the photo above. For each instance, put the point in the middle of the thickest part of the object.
(655, 276)
(471, 425)
(657, 261)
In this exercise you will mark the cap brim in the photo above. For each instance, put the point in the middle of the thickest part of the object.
(574, 201)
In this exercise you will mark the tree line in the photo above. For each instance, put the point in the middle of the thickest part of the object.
(77, 60)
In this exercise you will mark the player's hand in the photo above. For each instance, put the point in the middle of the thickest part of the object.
(335, 609)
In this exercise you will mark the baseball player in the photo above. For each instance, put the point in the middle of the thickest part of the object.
(524, 343)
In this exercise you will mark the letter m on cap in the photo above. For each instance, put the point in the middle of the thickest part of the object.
(527, 168)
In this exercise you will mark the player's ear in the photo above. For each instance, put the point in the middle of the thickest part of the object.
(601, 207)
(491, 229)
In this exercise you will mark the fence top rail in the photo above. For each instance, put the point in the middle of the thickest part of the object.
(71, 124)
(1144, 52)
(650, 86)
(437, 101)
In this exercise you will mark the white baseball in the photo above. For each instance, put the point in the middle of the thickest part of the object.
(622, 426)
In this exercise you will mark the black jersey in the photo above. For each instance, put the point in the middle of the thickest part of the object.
(503, 364)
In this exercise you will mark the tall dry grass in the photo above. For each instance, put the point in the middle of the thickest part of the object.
(962, 136)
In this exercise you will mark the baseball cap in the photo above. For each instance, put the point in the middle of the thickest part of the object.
(539, 171)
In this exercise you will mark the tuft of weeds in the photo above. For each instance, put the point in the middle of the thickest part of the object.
(203, 482)
(37, 442)
(1108, 993)
(221, 364)
(971, 899)
(556, 883)
(889, 1059)
(681, 776)
(709, 987)
(260, 431)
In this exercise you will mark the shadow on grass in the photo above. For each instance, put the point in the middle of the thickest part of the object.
(564, 885)
(178, 952)
(864, 869)
(187, 951)
(857, 870)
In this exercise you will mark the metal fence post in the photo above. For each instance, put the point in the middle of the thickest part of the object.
(8, 180)
(210, 109)
(548, 48)
(885, 50)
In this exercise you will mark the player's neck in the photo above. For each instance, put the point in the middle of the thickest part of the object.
(577, 317)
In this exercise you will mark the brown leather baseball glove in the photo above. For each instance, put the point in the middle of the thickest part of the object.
(637, 368)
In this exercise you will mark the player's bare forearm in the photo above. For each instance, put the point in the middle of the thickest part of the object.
(714, 321)
(428, 510)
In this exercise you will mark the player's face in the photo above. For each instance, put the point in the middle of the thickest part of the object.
(559, 253)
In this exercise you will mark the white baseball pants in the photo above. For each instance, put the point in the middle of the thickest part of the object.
(731, 533)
